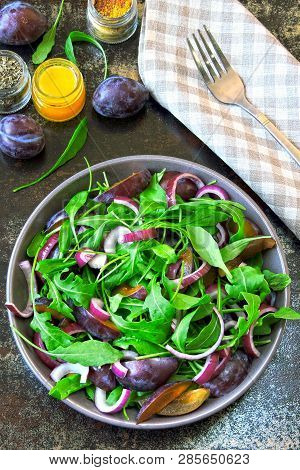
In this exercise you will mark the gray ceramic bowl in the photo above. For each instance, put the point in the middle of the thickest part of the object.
(116, 170)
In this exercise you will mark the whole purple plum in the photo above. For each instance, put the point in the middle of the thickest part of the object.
(21, 23)
(21, 136)
(119, 97)
(234, 373)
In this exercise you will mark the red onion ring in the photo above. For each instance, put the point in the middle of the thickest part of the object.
(248, 340)
(84, 256)
(96, 309)
(49, 245)
(119, 370)
(196, 357)
(127, 202)
(225, 354)
(193, 277)
(98, 261)
(213, 189)
(51, 363)
(100, 401)
(66, 368)
(28, 310)
(173, 182)
(138, 236)
(114, 237)
(222, 235)
(209, 368)
(56, 219)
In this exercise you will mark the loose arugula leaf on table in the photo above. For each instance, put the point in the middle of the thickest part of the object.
(75, 144)
(66, 386)
(35, 244)
(144, 348)
(207, 248)
(88, 353)
(52, 336)
(48, 41)
(78, 36)
(73, 206)
(231, 251)
(247, 279)
(277, 282)
(156, 331)
(158, 306)
(49, 267)
(78, 290)
(57, 302)
(65, 237)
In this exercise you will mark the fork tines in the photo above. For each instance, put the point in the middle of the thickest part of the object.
(212, 57)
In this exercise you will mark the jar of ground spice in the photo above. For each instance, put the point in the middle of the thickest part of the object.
(15, 83)
(112, 21)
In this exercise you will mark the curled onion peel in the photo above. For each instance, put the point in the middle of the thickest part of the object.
(196, 357)
(28, 310)
(101, 405)
(67, 368)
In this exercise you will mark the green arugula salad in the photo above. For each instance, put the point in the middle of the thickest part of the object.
(150, 294)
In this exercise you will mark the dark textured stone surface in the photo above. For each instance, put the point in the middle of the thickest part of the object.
(267, 416)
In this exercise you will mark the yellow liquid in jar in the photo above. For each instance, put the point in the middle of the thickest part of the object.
(57, 81)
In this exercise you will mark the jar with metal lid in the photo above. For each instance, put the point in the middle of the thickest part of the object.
(109, 23)
(58, 90)
(15, 82)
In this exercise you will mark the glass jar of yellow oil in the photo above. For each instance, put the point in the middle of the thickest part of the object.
(58, 90)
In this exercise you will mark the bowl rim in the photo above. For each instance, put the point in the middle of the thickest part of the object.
(175, 421)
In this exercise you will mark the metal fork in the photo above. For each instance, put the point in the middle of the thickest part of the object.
(227, 86)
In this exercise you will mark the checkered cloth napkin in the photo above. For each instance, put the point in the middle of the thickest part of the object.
(272, 78)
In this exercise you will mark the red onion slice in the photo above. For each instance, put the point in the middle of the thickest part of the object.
(119, 370)
(213, 189)
(173, 182)
(209, 368)
(248, 340)
(96, 309)
(225, 354)
(196, 357)
(114, 237)
(138, 236)
(98, 261)
(49, 245)
(127, 202)
(66, 368)
(51, 363)
(28, 310)
(100, 401)
(84, 256)
(56, 219)
(193, 277)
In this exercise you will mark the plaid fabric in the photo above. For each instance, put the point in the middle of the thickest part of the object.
(272, 78)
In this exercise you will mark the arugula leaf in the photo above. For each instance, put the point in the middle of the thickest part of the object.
(52, 336)
(51, 266)
(35, 244)
(143, 347)
(231, 251)
(93, 242)
(207, 336)
(153, 198)
(79, 290)
(207, 248)
(156, 331)
(286, 313)
(243, 324)
(73, 206)
(180, 335)
(277, 282)
(166, 252)
(75, 144)
(88, 353)
(90, 392)
(66, 386)
(65, 237)
(78, 36)
(185, 302)
(158, 306)
(246, 279)
(48, 41)
(57, 302)
(114, 395)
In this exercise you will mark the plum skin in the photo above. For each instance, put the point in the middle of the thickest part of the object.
(148, 374)
(20, 24)
(231, 377)
(119, 97)
(21, 136)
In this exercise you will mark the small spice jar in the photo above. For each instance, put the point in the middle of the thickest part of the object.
(58, 90)
(15, 83)
(112, 21)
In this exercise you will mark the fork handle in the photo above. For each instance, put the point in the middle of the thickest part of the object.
(276, 133)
